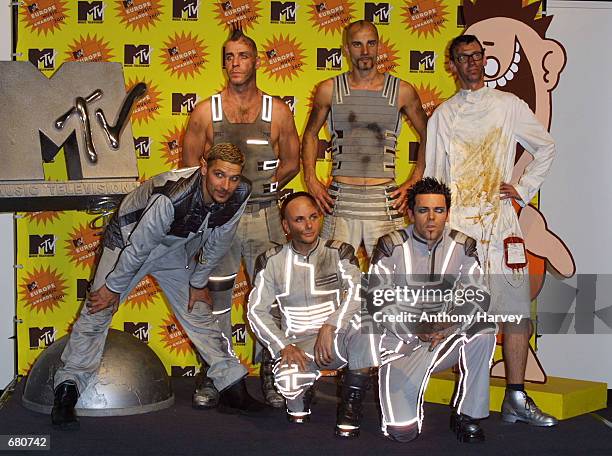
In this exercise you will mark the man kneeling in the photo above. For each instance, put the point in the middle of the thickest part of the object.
(425, 288)
(315, 284)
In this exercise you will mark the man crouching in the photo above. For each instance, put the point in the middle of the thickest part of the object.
(177, 227)
(315, 284)
(425, 287)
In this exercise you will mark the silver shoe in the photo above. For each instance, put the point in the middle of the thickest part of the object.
(518, 406)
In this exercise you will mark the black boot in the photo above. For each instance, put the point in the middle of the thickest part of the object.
(354, 386)
(304, 415)
(62, 414)
(205, 395)
(236, 399)
(271, 396)
(466, 429)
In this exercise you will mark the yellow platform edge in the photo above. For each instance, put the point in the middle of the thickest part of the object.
(561, 397)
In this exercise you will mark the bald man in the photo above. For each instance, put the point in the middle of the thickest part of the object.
(364, 110)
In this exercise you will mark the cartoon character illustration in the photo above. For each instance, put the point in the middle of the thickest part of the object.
(521, 60)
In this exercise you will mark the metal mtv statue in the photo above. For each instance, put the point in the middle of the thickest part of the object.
(40, 116)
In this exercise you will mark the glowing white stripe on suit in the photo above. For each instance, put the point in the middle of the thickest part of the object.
(220, 278)
(259, 142)
(390, 420)
(291, 382)
(299, 324)
(449, 254)
(407, 259)
(429, 371)
(461, 387)
(337, 350)
(352, 290)
(379, 266)
(254, 320)
(474, 266)
(229, 346)
(220, 312)
(356, 322)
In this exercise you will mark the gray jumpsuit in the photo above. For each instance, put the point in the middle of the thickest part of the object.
(403, 260)
(165, 229)
(320, 288)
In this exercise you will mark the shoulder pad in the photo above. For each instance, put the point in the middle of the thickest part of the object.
(346, 251)
(262, 259)
(469, 244)
(387, 243)
(243, 191)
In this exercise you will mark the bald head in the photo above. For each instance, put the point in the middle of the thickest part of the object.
(356, 26)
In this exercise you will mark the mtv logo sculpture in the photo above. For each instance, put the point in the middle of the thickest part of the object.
(39, 116)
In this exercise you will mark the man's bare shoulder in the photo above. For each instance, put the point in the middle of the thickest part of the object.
(280, 108)
(202, 110)
(323, 92)
(326, 84)
(406, 89)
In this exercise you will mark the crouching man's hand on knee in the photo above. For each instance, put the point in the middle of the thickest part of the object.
(101, 299)
(324, 345)
(294, 355)
(198, 295)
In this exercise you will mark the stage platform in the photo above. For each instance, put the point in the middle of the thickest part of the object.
(562, 397)
(181, 430)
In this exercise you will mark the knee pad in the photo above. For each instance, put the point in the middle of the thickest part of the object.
(403, 434)
(290, 382)
(221, 283)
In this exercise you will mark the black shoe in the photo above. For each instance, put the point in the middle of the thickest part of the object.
(272, 397)
(304, 416)
(205, 396)
(466, 429)
(236, 399)
(354, 386)
(63, 414)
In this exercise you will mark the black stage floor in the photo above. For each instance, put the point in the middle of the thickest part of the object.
(181, 430)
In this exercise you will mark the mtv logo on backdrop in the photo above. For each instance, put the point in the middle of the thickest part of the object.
(139, 330)
(185, 9)
(41, 337)
(137, 54)
(378, 13)
(42, 245)
(422, 62)
(329, 59)
(43, 59)
(70, 115)
(90, 12)
(283, 12)
(142, 144)
(183, 103)
(239, 333)
(82, 287)
(180, 371)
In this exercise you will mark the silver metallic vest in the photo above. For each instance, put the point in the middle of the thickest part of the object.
(364, 127)
(253, 139)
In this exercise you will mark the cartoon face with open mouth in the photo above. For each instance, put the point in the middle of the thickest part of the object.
(520, 59)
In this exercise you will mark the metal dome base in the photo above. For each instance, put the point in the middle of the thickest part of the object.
(131, 380)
